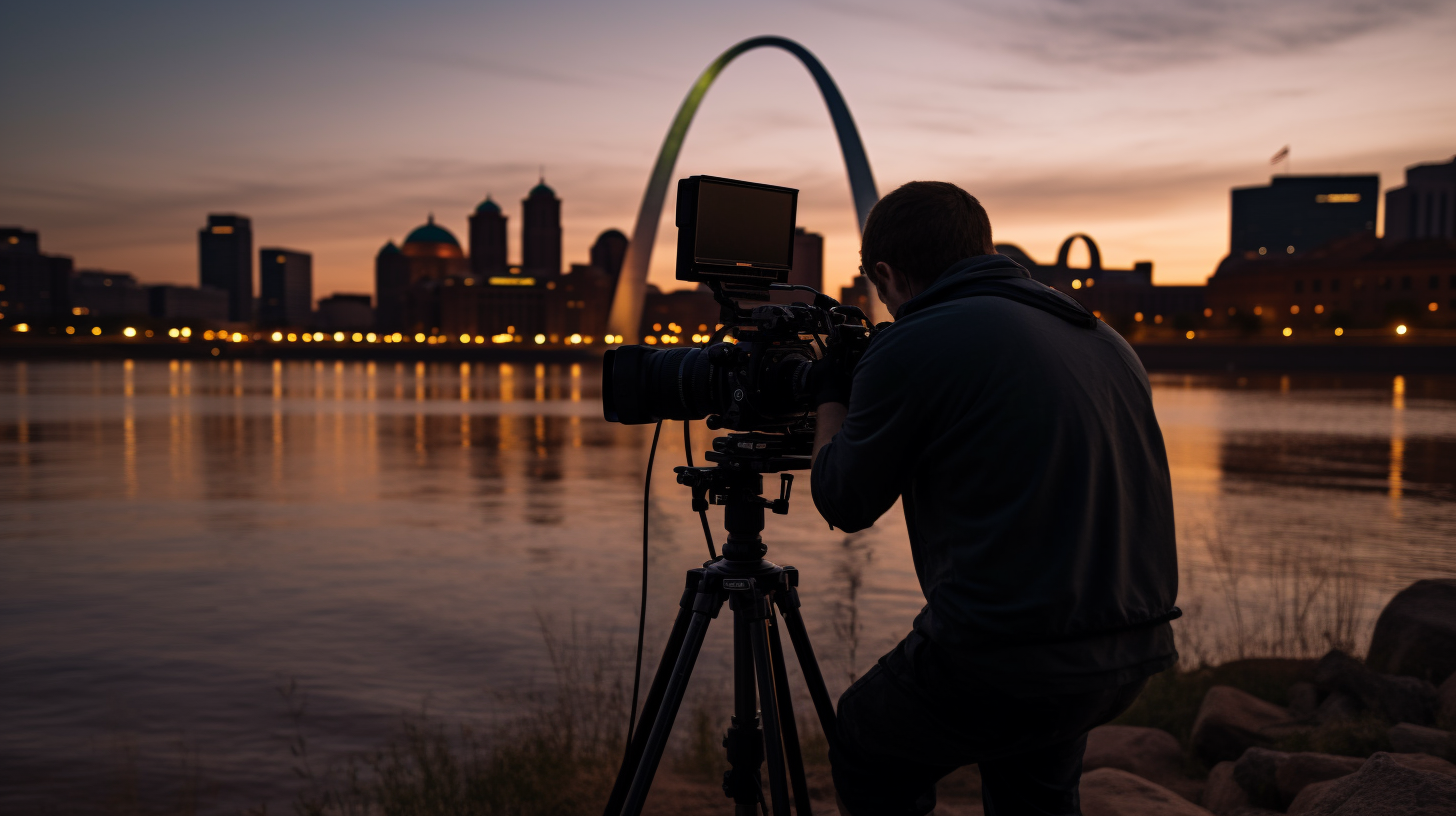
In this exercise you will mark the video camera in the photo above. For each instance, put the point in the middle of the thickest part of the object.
(737, 238)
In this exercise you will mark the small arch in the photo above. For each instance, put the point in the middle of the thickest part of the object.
(1094, 257)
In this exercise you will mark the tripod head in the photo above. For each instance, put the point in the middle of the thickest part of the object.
(736, 482)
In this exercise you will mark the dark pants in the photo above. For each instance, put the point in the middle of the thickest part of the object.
(913, 718)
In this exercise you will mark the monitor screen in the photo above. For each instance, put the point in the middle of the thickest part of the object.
(744, 225)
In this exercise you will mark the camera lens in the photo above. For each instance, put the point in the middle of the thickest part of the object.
(641, 385)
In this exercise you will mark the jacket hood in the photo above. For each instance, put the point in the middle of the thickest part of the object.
(997, 276)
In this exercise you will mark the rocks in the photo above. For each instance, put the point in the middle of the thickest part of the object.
(1115, 792)
(1396, 699)
(1416, 632)
(1151, 753)
(1425, 762)
(1254, 772)
(1446, 704)
(1407, 738)
(1222, 794)
(1299, 771)
(1230, 721)
(1382, 787)
(1338, 707)
(1304, 700)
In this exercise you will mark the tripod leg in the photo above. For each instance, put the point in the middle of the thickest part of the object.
(772, 736)
(788, 603)
(744, 739)
(705, 606)
(653, 703)
(792, 749)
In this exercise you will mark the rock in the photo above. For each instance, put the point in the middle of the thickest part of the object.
(1115, 792)
(1446, 704)
(1222, 794)
(1338, 707)
(1397, 699)
(1230, 721)
(1382, 787)
(1255, 771)
(1425, 762)
(1407, 738)
(1301, 770)
(1151, 753)
(1416, 632)
(1303, 700)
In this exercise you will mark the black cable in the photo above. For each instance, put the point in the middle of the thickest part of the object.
(702, 514)
(642, 610)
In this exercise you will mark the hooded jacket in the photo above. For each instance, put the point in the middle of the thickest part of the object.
(1019, 432)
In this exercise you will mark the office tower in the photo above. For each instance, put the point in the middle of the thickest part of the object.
(487, 240)
(608, 253)
(98, 293)
(1426, 206)
(285, 281)
(391, 288)
(808, 268)
(202, 303)
(33, 285)
(225, 261)
(541, 231)
(1295, 214)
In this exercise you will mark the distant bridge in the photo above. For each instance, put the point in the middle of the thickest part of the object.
(626, 315)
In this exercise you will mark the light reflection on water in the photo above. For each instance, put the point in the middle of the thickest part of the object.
(178, 539)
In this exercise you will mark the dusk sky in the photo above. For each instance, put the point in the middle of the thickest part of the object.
(338, 126)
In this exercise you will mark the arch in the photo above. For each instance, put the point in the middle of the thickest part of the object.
(627, 303)
(1094, 257)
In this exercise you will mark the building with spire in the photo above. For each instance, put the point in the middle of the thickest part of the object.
(541, 231)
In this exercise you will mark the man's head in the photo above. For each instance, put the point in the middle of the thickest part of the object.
(916, 232)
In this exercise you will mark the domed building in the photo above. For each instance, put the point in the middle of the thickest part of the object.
(430, 240)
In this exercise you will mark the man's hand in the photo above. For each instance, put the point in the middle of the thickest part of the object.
(831, 377)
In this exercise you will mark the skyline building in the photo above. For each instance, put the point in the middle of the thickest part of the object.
(1294, 214)
(541, 230)
(608, 252)
(488, 239)
(225, 261)
(1426, 206)
(285, 281)
(33, 285)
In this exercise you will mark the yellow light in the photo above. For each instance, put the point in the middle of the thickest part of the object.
(307, 338)
(1289, 250)
(1319, 308)
(70, 330)
(276, 336)
(540, 339)
(186, 331)
(500, 338)
(222, 230)
(371, 337)
(657, 327)
(174, 333)
(1337, 198)
(1258, 310)
(282, 259)
(651, 341)
(1432, 306)
(1400, 329)
(338, 337)
(587, 339)
(1090, 282)
(1190, 335)
(1339, 331)
(207, 335)
(292, 337)
(465, 338)
(96, 330)
(238, 338)
(479, 338)
(1294, 309)
(673, 327)
(1208, 312)
(419, 337)
(129, 331)
(575, 338)
(22, 327)
(1157, 318)
(1077, 284)
(1288, 331)
(1138, 316)
(512, 281)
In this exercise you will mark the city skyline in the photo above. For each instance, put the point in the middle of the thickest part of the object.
(1127, 124)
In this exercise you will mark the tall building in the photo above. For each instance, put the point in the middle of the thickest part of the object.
(608, 253)
(1294, 214)
(391, 288)
(33, 285)
(807, 267)
(541, 231)
(1426, 206)
(488, 239)
(285, 278)
(225, 261)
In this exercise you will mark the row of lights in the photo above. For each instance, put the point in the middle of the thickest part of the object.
(340, 337)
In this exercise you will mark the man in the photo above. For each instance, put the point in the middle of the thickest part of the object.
(1018, 431)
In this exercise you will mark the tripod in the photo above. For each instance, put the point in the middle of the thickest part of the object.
(757, 592)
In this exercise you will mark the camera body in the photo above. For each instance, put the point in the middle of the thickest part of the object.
(754, 373)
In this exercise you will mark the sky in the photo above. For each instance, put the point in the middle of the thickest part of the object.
(337, 126)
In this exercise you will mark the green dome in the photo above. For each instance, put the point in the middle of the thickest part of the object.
(431, 233)
(488, 206)
(542, 189)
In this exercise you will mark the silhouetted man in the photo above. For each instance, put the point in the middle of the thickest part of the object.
(1018, 431)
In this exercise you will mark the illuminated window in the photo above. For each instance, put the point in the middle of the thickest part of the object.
(222, 230)
(282, 259)
(1319, 308)
(1337, 198)
(1208, 312)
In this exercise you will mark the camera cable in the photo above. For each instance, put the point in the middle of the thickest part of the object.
(642, 608)
(702, 514)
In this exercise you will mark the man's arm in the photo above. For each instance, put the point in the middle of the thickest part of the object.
(829, 418)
